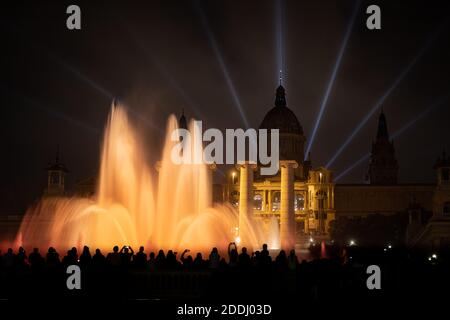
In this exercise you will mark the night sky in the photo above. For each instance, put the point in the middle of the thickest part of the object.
(157, 57)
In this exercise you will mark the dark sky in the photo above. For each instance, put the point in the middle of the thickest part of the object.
(57, 85)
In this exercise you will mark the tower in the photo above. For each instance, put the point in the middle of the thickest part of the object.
(383, 166)
(441, 199)
(182, 122)
(56, 173)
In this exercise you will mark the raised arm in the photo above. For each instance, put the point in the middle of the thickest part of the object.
(182, 255)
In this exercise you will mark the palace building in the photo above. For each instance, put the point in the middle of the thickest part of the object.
(314, 200)
(303, 201)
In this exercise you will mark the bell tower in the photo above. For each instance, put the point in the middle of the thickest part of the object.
(383, 167)
(56, 173)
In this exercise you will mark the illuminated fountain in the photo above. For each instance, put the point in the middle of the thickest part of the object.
(128, 210)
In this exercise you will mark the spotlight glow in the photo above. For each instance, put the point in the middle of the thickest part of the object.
(81, 76)
(380, 102)
(280, 38)
(421, 115)
(332, 78)
(91, 83)
(165, 73)
(59, 115)
(222, 65)
(353, 166)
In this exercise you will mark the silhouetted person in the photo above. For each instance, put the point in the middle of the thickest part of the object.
(8, 259)
(113, 258)
(35, 259)
(52, 258)
(256, 257)
(281, 260)
(264, 250)
(140, 258)
(244, 258)
(223, 265)
(171, 259)
(198, 261)
(266, 259)
(214, 258)
(232, 254)
(187, 262)
(126, 253)
(98, 260)
(74, 254)
(151, 262)
(71, 258)
(292, 260)
(160, 260)
(21, 259)
(85, 257)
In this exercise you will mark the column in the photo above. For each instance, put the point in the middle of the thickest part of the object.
(287, 212)
(246, 202)
(269, 194)
(332, 198)
(263, 207)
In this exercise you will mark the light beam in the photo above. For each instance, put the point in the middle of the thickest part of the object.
(222, 65)
(353, 166)
(385, 95)
(59, 115)
(396, 134)
(85, 79)
(280, 39)
(165, 73)
(333, 77)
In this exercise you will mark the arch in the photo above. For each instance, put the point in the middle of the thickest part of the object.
(257, 201)
(299, 202)
(276, 200)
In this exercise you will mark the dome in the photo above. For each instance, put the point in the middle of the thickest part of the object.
(281, 117)
(291, 138)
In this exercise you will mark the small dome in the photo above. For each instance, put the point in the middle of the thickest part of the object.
(281, 117)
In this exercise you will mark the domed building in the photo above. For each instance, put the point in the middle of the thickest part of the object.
(313, 189)
(318, 201)
(314, 207)
(292, 139)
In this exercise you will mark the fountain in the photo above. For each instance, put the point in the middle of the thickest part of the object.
(274, 232)
(128, 209)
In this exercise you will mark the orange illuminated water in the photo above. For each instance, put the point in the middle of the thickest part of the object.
(128, 209)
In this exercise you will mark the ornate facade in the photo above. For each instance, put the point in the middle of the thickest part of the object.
(317, 200)
(304, 201)
(312, 189)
